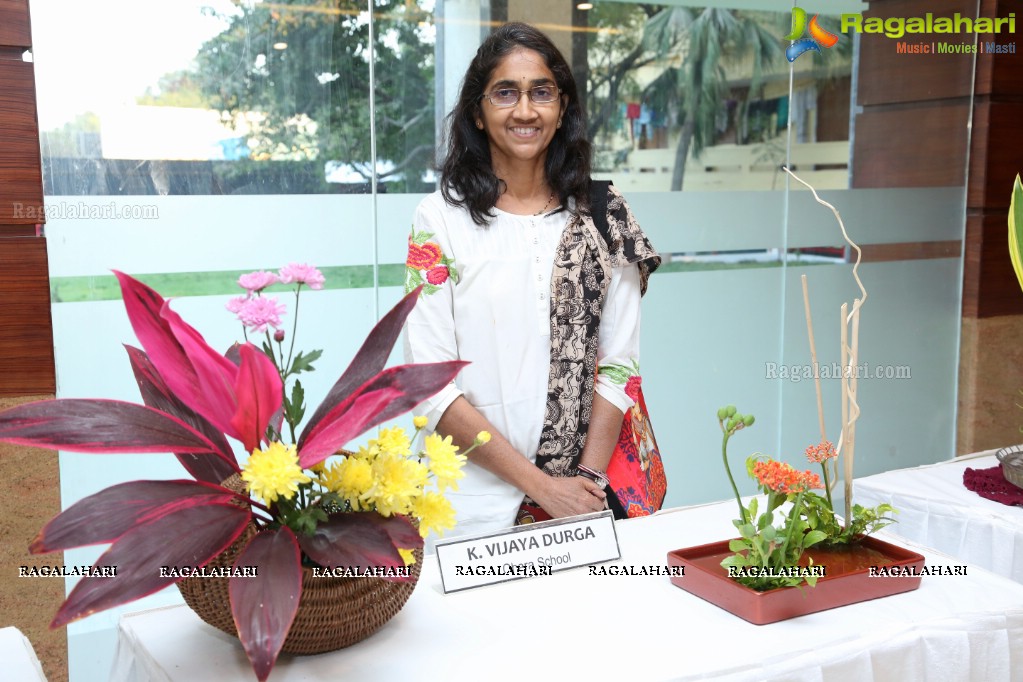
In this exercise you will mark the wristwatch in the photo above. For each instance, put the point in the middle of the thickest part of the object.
(598, 477)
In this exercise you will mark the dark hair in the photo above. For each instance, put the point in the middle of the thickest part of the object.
(467, 177)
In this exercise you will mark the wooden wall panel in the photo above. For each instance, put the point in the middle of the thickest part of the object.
(26, 338)
(14, 24)
(996, 153)
(886, 77)
(21, 180)
(990, 287)
(911, 146)
(1001, 74)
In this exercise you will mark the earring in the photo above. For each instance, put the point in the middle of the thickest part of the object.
(479, 124)
(559, 124)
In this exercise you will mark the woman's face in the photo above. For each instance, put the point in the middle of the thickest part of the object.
(521, 132)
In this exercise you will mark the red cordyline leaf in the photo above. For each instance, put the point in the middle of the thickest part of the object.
(390, 393)
(155, 394)
(196, 374)
(188, 537)
(99, 426)
(370, 359)
(112, 512)
(216, 375)
(360, 539)
(143, 306)
(259, 395)
(264, 605)
(277, 419)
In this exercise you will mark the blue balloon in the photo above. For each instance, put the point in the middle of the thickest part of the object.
(799, 47)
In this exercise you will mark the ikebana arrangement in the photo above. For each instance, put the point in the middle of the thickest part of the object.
(296, 504)
(768, 556)
(811, 545)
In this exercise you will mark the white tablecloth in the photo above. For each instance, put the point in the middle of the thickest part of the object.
(576, 626)
(937, 510)
(17, 657)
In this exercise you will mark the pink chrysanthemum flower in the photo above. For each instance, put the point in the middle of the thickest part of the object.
(820, 452)
(257, 281)
(303, 274)
(236, 304)
(261, 312)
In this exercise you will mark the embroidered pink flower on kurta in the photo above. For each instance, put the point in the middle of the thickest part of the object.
(437, 275)
(303, 274)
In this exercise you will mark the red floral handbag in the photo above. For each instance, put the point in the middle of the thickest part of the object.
(636, 472)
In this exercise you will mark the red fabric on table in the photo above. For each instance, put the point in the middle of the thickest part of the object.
(991, 484)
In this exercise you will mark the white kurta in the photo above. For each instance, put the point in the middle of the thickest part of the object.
(497, 317)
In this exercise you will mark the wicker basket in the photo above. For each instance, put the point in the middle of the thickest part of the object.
(1012, 464)
(333, 612)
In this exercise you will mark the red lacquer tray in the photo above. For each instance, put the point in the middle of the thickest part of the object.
(847, 580)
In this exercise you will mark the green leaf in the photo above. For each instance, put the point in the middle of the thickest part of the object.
(304, 362)
(764, 521)
(1016, 229)
(813, 537)
(737, 545)
(768, 533)
(294, 408)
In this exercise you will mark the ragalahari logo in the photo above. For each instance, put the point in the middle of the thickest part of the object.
(818, 36)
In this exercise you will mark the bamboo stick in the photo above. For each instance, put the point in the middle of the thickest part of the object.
(831, 464)
(845, 408)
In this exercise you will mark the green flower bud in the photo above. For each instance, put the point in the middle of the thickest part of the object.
(748, 420)
(730, 411)
(722, 413)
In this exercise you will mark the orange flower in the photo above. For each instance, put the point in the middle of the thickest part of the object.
(820, 452)
(783, 478)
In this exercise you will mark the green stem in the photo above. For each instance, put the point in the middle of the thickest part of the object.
(793, 515)
(294, 327)
(728, 470)
(827, 485)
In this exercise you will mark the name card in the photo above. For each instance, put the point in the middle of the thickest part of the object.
(527, 551)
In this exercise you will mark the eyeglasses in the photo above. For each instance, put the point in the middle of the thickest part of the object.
(509, 97)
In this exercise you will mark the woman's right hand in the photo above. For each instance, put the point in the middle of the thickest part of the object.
(570, 496)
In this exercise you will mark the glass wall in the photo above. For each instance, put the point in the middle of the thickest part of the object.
(188, 142)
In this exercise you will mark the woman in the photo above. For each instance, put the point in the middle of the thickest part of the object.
(508, 231)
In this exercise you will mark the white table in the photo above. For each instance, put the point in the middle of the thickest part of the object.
(17, 657)
(937, 510)
(574, 626)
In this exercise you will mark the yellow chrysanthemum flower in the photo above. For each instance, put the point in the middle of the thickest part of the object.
(274, 473)
(407, 555)
(397, 481)
(420, 422)
(434, 512)
(351, 478)
(483, 437)
(445, 462)
(369, 452)
(392, 440)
